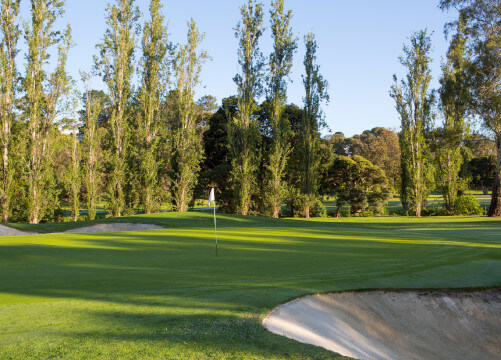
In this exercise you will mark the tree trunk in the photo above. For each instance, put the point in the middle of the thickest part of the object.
(147, 201)
(276, 211)
(34, 219)
(495, 208)
(75, 178)
(91, 212)
(245, 208)
(33, 201)
(276, 198)
(181, 205)
(418, 209)
(306, 210)
(5, 195)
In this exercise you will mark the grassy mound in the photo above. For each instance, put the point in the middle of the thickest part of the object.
(164, 294)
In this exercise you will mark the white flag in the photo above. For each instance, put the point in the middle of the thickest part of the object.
(212, 197)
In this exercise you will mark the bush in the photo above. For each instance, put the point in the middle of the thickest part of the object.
(318, 210)
(396, 212)
(98, 216)
(467, 205)
(54, 216)
(365, 214)
(434, 211)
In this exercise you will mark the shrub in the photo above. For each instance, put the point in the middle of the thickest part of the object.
(434, 211)
(397, 212)
(318, 210)
(365, 213)
(467, 205)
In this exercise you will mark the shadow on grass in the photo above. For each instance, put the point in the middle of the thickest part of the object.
(210, 335)
(166, 290)
(203, 219)
(183, 262)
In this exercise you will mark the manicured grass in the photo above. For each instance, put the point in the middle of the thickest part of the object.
(163, 294)
(435, 201)
(101, 208)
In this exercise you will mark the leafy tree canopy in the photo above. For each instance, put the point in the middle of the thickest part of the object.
(357, 182)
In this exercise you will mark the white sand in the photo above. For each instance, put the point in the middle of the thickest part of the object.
(112, 227)
(396, 324)
(8, 231)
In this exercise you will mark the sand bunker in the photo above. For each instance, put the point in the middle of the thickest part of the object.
(8, 231)
(113, 227)
(396, 324)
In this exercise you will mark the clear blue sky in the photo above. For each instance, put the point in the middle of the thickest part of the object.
(359, 44)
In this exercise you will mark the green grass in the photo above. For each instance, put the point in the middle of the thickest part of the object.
(163, 294)
(101, 206)
(435, 201)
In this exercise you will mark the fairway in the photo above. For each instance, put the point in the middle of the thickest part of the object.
(164, 294)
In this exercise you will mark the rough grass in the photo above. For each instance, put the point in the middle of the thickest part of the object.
(164, 294)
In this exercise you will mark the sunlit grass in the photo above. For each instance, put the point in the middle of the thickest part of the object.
(164, 293)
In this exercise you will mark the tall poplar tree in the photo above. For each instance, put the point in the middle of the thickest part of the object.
(243, 132)
(414, 101)
(154, 68)
(450, 137)
(73, 175)
(188, 150)
(312, 120)
(280, 64)
(91, 148)
(116, 65)
(9, 37)
(483, 27)
(44, 91)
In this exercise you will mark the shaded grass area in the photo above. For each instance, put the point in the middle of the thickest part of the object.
(434, 202)
(164, 294)
(102, 212)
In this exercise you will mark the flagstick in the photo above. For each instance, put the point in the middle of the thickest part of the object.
(215, 229)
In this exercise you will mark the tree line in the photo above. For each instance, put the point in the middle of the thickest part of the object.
(469, 91)
(137, 148)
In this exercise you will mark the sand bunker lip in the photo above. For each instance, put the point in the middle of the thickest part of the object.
(114, 227)
(99, 228)
(415, 325)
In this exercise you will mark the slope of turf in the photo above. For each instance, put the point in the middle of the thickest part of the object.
(164, 294)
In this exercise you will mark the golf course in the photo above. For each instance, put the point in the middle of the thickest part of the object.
(163, 294)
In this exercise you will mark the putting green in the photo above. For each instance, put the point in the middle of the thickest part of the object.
(164, 294)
